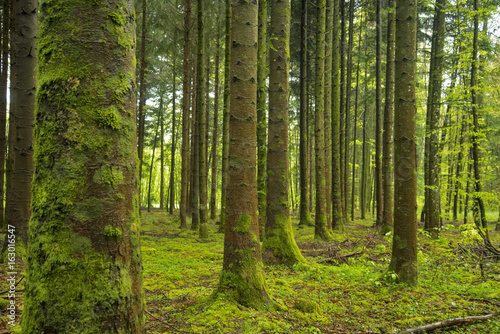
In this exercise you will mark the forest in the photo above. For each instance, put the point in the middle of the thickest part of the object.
(281, 166)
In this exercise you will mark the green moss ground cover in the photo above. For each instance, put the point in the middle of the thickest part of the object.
(343, 287)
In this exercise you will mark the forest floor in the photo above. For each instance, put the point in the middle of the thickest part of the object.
(346, 278)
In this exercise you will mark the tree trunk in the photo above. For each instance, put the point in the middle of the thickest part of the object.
(387, 167)
(404, 244)
(84, 230)
(337, 218)
(162, 156)
(378, 119)
(185, 116)
(21, 118)
(305, 214)
(478, 200)
(261, 115)
(153, 160)
(3, 102)
(328, 110)
(364, 194)
(279, 245)
(142, 97)
(213, 193)
(195, 158)
(171, 184)
(321, 230)
(242, 279)
(342, 107)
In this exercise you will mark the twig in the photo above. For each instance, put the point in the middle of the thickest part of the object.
(6, 291)
(167, 324)
(342, 257)
(450, 322)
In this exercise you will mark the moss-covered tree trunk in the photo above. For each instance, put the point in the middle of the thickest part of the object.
(242, 278)
(337, 220)
(342, 119)
(21, 117)
(305, 214)
(3, 101)
(84, 230)
(478, 200)
(262, 68)
(321, 230)
(404, 244)
(388, 149)
(379, 198)
(279, 244)
(432, 198)
(215, 132)
(142, 95)
(225, 118)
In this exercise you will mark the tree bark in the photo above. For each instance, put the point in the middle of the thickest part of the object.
(84, 230)
(171, 182)
(342, 107)
(404, 245)
(142, 97)
(162, 156)
(3, 102)
(378, 119)
(328, 110)
(151, 167)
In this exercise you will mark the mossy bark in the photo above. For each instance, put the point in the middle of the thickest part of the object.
(279, 243)
(142, 93)
(404, 244)
(321, 230)
(84, 260)
(242, 278)
(379, 198)
(215, 132)
(328, 110)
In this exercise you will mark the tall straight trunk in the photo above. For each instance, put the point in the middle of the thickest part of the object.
(378, 119)
(387, 166)
(478, 200)
(321, 230)
(432, 202)
(171, 182)
(195, 158)
(162, 156)
(404, 244)
(3, 102)
(467, 187)
(355, 128)
(348, 80)
(305, 214)
(225, 118)
(261, 115)
(342, 106)
(185, 116)
(84, 259)
(22, 97)
(459, 166)
(328, 110)
(215, 133)
(337, 218)
(279, 245)
(142, 97)
(242, 279)
(151, 167)
(310, 129)
(363, 195)
(201, 122)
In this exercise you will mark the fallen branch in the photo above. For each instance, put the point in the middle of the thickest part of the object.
(341, 258)
(167, 324)
(450, 322)
(6, 291)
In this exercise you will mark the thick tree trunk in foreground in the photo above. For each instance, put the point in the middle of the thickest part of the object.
(279, 245)
(404, 244)
(142, 97)
(84, 231)
(21, 118)
(242, 278)
(321, 230)
(185, 117)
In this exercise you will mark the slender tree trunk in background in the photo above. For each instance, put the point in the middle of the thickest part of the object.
(3, 102)
(497, 226)
(153, 160)
(387, 167)
(261, 115)
(355, 123)
(467, 187)
(225, 119)
(433, 200)
(363, 195)
(342, 107)
(378, 119)
(459, 166)
(9, 161)
(85, 209)
(142, 97)
(201, 122)
(215, 133)
(305, 214)
(195, 158)
(162, 155)
(321, 230)
(478, 200)
(242, 278)
(404, 244)
(348, 108)
(174, 143)
(185, 116)
(207, 113)
(328, 110)
(310, 128)
(22, 96)
(337, 218)
(279, 245)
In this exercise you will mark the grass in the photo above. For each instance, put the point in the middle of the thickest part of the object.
(333, 293)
